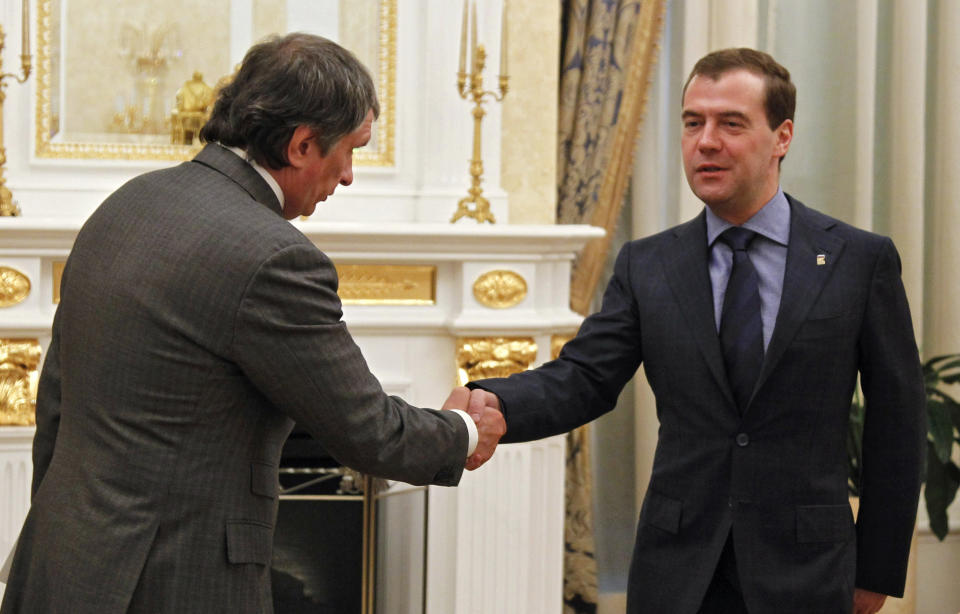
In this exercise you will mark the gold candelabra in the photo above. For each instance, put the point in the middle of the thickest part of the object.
(7, 206)
(478, 56)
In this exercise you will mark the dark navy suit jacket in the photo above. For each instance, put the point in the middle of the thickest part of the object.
(776, 476)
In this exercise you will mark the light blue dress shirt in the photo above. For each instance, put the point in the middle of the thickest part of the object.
(768, 253)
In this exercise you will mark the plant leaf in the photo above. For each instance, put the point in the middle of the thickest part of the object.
(932, 363)
(943, 479)
(940, 428)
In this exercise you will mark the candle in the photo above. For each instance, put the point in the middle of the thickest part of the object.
(503, 40)
(473, 36)
(463, 39)
(26, 27)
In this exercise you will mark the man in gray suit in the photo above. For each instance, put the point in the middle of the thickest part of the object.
(752, 322)
(195, 326)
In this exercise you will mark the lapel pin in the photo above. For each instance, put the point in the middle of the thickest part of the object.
(821, 259)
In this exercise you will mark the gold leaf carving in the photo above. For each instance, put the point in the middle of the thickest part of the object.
(19, 359)
(556, 344)
(482, 357)
(382, 284)
(500, 289)
(57, 275)
(14, 286)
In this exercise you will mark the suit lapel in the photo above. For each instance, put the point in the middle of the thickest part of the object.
(228, 163)
(812, 255)
(688, 275)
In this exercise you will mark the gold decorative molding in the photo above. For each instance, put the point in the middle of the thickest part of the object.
(14, 286)
(387, 284)
(556, 344)
(48, 122)
(386, 90)
(57, 275)
(500, 289)
(483, 357)
(19, 359)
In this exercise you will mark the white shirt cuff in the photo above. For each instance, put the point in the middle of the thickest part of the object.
(472, 435)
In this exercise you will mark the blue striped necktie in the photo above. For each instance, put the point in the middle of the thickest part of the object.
(741, 328)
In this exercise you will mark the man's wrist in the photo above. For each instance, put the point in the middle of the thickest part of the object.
(472, 435)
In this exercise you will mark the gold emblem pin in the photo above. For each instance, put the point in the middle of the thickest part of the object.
(821, 259)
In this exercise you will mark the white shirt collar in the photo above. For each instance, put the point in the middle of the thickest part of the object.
(262, 171)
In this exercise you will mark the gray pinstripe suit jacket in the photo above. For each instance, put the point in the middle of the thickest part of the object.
(776, 475)
(195, 323)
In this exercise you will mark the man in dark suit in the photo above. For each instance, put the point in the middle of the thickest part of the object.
(196, 324)
(752, 321)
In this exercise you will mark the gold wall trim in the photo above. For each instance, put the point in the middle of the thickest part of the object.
(47, 148)
(14, 286)
(57, 276)
(19, 359)
(387, 284)
(500, 289)
(556, 344)
(386, 123)
(483, 357)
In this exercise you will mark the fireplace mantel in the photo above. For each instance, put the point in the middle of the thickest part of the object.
(495, 543)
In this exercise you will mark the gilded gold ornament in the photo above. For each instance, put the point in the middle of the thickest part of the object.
(384, 284)
(483, 357)
(500, 289)
(57, 275)
(19, 359)
(556, 344)
(14, 286)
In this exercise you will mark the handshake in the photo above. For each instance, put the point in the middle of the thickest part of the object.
(484, 408)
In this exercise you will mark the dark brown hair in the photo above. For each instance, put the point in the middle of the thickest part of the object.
(285, 82)
(780, 93)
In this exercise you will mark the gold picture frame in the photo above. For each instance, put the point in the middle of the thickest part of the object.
(51, 142)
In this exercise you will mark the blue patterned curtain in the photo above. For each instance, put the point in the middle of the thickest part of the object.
(607, 55)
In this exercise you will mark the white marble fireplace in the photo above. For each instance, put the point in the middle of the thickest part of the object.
(427, 303)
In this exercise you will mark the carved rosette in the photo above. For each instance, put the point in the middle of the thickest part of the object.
(19, 359)
(483, 357)
(14, 286)
(500, 289)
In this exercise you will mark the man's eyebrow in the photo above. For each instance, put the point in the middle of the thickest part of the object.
(723, 114)
(733, 115)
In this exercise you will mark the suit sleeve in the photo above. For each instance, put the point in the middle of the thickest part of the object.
(48, 408)
(894, 432)
(584, 382)
(291, 342)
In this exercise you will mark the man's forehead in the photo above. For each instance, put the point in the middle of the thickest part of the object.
(738, 85)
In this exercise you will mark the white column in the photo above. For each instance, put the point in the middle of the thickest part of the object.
(866, 112)
(907, 129)
(942, 292)
(733, 23)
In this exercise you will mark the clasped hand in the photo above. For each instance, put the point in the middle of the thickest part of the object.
(484, 408)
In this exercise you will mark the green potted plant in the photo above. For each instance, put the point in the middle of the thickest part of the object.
(943, 425)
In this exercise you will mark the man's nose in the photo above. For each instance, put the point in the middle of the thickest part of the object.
(709, 138)
(347, 177)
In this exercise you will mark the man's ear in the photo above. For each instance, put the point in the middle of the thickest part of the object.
(784, 137)
(298, 148)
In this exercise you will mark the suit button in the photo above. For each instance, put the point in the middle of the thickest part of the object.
(742, 439)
